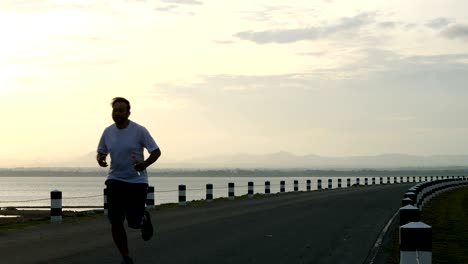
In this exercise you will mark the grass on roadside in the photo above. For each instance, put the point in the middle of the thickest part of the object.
(46, 220)
(447, 213)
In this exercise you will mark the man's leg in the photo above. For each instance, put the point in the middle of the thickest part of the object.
(137, 216)
(116, 198)
(120, 238)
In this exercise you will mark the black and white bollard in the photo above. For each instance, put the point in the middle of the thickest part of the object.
(106, 205)
(329, 183)
(55, 206)
(308, 185)
(319, 184)
(231, 193)
(209, 192)
(267, 187)
(282, 186)
(415, 243)
(395, 180)
(373, 181)
(339, 183)
(182, 195)
(381, 180)
(296, 185)
(348, 182)
(150, 197)
(412, 196)
(388, 180)
(406, 201)
(250, 190)
(366, 181)
(357, 181)
(408, 214)
(401, 180)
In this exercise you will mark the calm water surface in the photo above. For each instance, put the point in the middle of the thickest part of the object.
(88, 191)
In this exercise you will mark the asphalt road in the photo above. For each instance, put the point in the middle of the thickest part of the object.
(329, 226)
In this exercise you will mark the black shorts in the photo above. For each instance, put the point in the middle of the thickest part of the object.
(126, 201)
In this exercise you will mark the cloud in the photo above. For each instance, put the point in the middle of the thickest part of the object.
(387, 24)
(309, 33)
(43, 5)
(183, 2)
(168, 8)
(456, 31)
(410, 26)
(406, 95)
(178, 6)
(280, 14)
(395, 81)
(311, 53)
(224, 42)
(439, 23)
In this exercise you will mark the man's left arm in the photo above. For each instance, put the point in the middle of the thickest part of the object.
(153, 157)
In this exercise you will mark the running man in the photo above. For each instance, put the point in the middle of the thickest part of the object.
(127, 182)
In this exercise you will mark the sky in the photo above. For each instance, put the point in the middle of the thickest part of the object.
(208, 77)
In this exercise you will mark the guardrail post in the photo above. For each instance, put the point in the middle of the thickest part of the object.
(106, 205)
(182, 195)
(348, 182)
(381, 180)
(339, 183)
(401, 179)
(282, 186)
(366, 181)
(296, 185)
(231, 193)
(388, 180)
(55, 206)
(395, 180)
(267, 187)
(415, 243)
(330, 183)
(209, 192)
(406, 201)
(373, 180)
(412, 196)
(150, 197)
(408, 214)
(319, 184)
(251, 189)
(308, 185)
(357, 181)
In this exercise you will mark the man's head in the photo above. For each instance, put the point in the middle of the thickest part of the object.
(120, 110)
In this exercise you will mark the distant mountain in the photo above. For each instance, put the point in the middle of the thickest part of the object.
(285, 159)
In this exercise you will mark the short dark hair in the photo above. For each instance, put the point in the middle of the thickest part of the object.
(120, 100)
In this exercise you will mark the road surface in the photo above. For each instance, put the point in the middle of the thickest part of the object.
(329, 226)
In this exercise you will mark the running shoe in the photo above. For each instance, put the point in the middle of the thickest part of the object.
(146, 227)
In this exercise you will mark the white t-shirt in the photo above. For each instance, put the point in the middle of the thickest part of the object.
(125, 146)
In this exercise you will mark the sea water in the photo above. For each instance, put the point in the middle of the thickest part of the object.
(32, 191)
